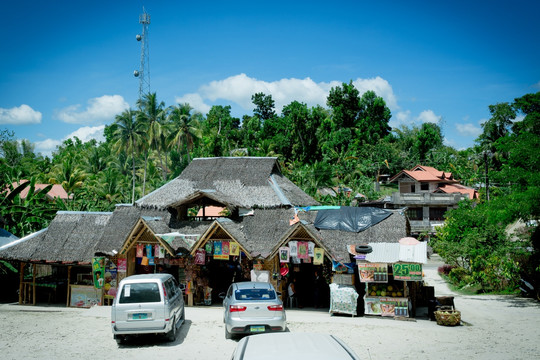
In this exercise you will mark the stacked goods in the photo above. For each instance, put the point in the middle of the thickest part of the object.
(390, 290)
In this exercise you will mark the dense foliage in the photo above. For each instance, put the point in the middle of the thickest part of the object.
(336, 154)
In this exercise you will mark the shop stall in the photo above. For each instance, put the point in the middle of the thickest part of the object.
(392, 276)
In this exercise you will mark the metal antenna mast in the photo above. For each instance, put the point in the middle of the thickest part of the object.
(144, 70)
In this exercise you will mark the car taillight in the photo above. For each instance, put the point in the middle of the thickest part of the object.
(164, 291)
(234, 308)
(275, 307)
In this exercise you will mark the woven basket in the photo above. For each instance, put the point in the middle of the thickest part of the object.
(448, 317)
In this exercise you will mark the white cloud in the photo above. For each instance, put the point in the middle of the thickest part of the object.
(21, 115)
(88, 133)
(239, 89)
(47, 146)
(428, 116)
(468, 129)
(195, 101)
(99, 110)
(401, 118)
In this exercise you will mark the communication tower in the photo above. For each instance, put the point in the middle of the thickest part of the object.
(144, 70)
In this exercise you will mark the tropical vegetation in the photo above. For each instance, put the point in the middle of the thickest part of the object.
(336, 153)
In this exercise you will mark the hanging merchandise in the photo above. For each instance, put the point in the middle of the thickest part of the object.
(234, 248)
(295, 260)
(122, 265)
(161, 252)
(208, 247)
(149, 252)
(225, 248)
(200, 257)
(217, 248)
(98, 269)
(318, 256)
(293, 247)
(284, 254)
(311, 248)
(144, 261)
(140, 251)
(307, 260)
(157, 251)
(303, 250)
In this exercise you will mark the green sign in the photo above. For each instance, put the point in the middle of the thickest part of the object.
(407, 272)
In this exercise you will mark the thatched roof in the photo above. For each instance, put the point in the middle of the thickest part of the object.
(70, 237)
(250, 182)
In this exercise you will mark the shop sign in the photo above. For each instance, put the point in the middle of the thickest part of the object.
(373, 272)
(98, 270)
(386, 306)
(407, 271)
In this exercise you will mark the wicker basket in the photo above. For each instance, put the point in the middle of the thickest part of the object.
(448, 317)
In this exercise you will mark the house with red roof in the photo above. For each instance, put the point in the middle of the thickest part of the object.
(57, 191)
(428, 193)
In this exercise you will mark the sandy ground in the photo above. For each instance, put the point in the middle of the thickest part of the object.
(494, 327)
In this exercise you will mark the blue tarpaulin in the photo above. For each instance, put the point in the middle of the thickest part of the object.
(353, 219)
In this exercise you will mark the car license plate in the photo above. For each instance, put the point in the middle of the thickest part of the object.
(140, 316)
(257, 329)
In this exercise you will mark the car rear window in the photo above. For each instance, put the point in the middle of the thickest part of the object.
(255, 294)
(140, 293)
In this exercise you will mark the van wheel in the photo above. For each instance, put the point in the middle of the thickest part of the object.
(120, 339)
(171, 335)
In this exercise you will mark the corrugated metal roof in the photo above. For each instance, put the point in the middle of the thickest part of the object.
(395, 252)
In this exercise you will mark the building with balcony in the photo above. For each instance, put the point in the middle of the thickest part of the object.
(427, 194)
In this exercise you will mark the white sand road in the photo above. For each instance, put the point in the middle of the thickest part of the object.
(495, 327)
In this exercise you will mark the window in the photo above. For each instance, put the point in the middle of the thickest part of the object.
(140, 293)
(436, 213)
(415, 213)
(254, 294)
(413, 188)
(424, 187)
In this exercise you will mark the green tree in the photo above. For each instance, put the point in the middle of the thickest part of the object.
(185, 128)
(264, 106)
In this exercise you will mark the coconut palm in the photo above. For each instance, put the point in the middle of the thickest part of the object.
(126, 136)
(150, 118)
(185, 127)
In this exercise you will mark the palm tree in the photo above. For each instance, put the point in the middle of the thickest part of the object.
(126, 135)
(151, 115)
(185, 127)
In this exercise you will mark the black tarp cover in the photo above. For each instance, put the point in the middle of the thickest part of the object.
(353, 219)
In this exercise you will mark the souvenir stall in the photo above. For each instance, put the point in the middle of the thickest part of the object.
(212, 268)
(300, 272)
(392, 274)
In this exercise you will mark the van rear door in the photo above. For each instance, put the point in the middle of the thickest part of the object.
(140, 307)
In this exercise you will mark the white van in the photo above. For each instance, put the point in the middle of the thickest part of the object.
(146, 304)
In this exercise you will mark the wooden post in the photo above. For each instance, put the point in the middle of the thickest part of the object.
(34, 270)
(68, 286)
(21, 282)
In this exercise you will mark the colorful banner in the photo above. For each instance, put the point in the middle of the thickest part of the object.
(98, 271)
(234, 248)
(373, 272)
(318, 256)
(208, 247)
(311, 249)
(284, 254)
(221, 257)
(407, 271)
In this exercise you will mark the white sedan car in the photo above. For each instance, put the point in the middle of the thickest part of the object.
(252, 307)
(292, 346)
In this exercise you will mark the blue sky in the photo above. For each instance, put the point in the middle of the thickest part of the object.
(67, 66)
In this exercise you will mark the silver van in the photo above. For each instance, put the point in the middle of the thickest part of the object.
(146, 304)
